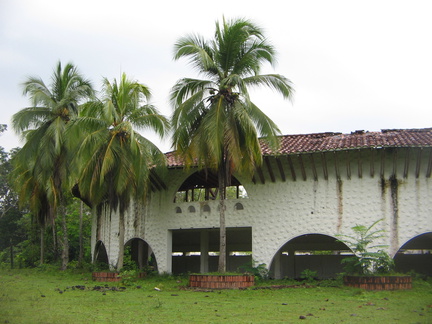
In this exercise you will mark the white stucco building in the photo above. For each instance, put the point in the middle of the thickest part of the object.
(314, 187)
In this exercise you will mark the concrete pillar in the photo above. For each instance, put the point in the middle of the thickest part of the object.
(204, 249)
(114, 239)
(168, 266)
(149, 253)
(94, 238)
(291, 263)
(277, 265)
(141, 254)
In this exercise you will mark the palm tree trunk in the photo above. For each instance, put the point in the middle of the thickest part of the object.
(121, 241)
(81, 250)
(54, 238)
(65, 243)
(222, 230)
(42, 245)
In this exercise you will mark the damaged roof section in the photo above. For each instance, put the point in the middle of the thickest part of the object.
(323, 142)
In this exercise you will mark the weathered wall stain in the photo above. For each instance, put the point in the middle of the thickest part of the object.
(383, 188)
(339, 193)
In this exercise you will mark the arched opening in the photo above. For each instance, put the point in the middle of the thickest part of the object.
(238, 206)
(203, 185)
(101, 256)
(415, 255)
(139, 255)
(315, 252)
(191, 209)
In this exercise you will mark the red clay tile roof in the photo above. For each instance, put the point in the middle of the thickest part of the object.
(322, 142)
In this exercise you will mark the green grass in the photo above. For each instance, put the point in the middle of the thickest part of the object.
(21, 301)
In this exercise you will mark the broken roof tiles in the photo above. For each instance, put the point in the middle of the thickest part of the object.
(322, 142)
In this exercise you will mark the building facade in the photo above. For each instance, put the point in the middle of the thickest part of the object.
(288, 215)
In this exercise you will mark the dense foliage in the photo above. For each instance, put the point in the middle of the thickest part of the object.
(20, 231)
(11, 230)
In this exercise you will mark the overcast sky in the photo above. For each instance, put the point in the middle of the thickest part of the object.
(355, 65)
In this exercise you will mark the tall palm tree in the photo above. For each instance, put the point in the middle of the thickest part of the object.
(113, 159)
(43, 158)
(215, 123)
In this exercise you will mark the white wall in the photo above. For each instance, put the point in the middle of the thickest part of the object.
(283, 210)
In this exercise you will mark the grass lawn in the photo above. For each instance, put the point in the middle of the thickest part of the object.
(33, 296)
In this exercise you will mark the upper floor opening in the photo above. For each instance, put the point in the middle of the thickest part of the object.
(203, 185)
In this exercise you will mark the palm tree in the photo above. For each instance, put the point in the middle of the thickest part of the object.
(215, 123)
(42, 161)
(114, 159)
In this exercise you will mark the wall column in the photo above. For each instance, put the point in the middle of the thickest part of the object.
(277, 265)
(94, 238)
(142, 253)
(114, 243)
(291, 263)
(168, 266)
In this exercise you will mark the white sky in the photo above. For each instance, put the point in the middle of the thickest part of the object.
(355, 65)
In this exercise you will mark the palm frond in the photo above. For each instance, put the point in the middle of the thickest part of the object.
(30, 118)
(198, 52)
(39, 93)
(148, 117)
(186, 88)
(276, 82)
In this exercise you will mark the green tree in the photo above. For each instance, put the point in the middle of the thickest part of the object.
(41, 166)
(113, 160)
(8, 197)
(11, 233)
(216, 125)
(79, 231)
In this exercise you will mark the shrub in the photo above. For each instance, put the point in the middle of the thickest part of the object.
(260, 271)
(368, 258)
(308, 275)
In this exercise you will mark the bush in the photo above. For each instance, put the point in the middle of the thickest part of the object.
(260, 271)
(308, 275)
(367, 259)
